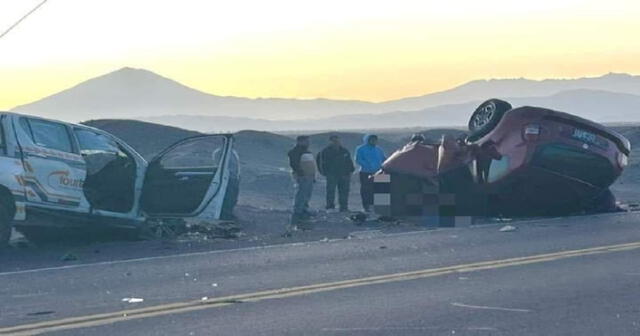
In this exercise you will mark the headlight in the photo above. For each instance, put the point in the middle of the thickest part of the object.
(623, 160)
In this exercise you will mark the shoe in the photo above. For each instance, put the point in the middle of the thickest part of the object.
(344, 210)
(333, 210)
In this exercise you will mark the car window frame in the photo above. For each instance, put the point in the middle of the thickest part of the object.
(80, 129)
(119, 143)
(158, 160)
(72, 143)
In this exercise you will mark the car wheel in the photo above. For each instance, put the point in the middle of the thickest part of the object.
(485, 118)
(5, 225)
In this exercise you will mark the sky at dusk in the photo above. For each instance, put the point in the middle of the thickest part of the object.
(366, 50)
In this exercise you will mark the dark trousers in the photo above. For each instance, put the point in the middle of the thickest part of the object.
(366, 190)
(342, 183)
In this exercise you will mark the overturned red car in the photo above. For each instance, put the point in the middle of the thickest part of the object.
(516, 162)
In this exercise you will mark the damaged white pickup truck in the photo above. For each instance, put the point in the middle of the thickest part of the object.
(57, 176)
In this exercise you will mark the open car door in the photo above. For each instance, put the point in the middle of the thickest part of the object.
(189, 179)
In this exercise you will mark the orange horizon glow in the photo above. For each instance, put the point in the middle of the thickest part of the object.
(362, 50)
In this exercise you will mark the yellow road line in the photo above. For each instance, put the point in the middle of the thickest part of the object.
(188, 306)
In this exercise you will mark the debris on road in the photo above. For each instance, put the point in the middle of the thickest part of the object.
(359, 218)
(508, 228)
(386, 219)
(68, 257)
(132, 300)
(629, 207)
(215, 229)
(389, 220)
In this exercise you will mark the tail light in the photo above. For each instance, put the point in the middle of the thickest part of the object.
(531, 132)
(623, 160)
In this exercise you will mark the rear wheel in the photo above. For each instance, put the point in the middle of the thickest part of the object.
(5, 225)
(486, 117)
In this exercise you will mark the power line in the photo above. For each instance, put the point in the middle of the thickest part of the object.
(22, 18)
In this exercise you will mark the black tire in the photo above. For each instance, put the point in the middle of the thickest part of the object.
(486, 117)
(6, 224)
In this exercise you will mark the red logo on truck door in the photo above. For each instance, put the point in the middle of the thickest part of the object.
(61, 179)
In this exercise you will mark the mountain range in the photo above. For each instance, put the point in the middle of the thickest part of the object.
(143, 95)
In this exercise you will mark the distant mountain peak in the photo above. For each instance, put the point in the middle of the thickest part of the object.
(130, 70)
(130, 73)
(618, 75)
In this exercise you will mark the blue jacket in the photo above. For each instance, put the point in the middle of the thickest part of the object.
(368, 157)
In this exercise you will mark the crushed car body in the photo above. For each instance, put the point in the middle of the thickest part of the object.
(59, 175)
(516, 162)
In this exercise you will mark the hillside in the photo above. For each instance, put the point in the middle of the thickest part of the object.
(263, 159)
(141, 94)
(520, 87)
(601, 106)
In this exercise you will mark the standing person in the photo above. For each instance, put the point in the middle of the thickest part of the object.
(370, 158)
(334, 162)
(303, 169)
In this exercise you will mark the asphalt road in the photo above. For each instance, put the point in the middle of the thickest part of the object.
(549, 277)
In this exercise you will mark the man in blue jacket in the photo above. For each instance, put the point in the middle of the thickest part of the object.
(370, 158)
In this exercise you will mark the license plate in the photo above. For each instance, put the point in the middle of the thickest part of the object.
(588, 137)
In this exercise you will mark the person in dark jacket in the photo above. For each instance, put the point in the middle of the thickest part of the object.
(370, 158)
(303, 170)
(334, 162)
